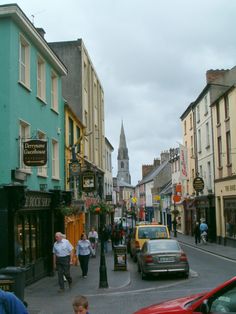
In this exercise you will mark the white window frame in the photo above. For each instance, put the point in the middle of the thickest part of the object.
(54, 91)
(24, 62)
(42, 171)
(55, 159)
(198, 113)
(41, 79)
(207, 135)
(24, 134)
(199, 141)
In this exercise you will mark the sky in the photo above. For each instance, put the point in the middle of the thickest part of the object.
(151, 57)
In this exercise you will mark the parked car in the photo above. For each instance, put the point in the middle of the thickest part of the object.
(144, 232)
(219, 300)
(162, 256)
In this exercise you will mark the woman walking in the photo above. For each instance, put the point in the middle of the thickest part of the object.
(84, 249)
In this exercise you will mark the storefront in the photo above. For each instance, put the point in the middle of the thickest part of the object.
(189, 214)
(205, 205)
(27, 222)
(230, 220)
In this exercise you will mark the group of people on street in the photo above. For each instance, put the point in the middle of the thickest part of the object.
(63, 254)
(200, 232)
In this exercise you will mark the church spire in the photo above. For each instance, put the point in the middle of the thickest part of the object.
(123, 159)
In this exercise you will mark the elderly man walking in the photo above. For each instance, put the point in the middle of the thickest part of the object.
(62, 259)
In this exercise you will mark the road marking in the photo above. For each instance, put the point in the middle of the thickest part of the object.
(208, 252)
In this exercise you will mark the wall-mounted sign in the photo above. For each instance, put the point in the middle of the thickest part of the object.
(198, 184)
(88, 181)
(35, 153)
(75, 168)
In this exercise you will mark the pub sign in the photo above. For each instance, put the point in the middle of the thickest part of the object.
(35, 153)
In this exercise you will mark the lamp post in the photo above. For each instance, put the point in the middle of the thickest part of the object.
(103, 283)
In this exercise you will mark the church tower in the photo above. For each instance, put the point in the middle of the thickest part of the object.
(123, 159)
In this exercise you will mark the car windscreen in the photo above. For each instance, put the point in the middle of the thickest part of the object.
(155, 232)
(162, 246)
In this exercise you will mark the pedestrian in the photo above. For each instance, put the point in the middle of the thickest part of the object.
(84, 250)
(10, 304)
(203, 230)
(196, 232)
(80, 305)
(62, 259)
(93, 238)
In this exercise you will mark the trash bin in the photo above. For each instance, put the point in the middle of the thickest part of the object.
(7, 283)
(120, 257)
(18, 277)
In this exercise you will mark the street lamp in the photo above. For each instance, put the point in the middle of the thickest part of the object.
(102, 269)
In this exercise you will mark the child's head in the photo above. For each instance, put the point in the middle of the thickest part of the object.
(80, 305)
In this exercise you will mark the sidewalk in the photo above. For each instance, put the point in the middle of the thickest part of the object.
(42, 296)
(221, 250)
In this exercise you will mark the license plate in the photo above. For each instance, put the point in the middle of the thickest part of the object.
(166, 259)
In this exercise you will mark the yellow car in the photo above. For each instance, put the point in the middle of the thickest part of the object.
(144, 232)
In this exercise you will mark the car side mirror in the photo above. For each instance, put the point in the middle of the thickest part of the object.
(205, 307)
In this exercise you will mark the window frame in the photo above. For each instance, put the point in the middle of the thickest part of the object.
(24, 62)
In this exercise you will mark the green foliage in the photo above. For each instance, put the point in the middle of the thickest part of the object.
(101, 208)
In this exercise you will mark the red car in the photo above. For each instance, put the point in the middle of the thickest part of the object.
(221, 299)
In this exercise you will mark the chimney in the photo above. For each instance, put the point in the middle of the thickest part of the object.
(156, 162)
(146, 169)
(165, 156)
(212, 75)
(41, 31)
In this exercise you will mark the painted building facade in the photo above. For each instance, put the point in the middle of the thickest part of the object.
(32, 109)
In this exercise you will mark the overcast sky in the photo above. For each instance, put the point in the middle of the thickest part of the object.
(151, 57)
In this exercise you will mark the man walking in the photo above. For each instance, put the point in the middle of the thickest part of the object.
(62, 259)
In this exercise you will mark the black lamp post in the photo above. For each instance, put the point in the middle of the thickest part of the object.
(102, 269)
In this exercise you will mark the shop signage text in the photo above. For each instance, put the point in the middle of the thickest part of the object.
(37, 201)
(35, 153)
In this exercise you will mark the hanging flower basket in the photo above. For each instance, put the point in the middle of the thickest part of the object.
(100, 208)
(67, 210)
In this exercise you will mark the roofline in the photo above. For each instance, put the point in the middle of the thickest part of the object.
(14, 11)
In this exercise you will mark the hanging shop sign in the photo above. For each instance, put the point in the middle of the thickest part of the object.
(198, 184)
(35, 153)
(88, 181)
(75, 168)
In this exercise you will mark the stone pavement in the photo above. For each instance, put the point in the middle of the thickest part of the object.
(42, 297)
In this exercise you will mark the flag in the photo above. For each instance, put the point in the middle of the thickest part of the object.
(183, 162)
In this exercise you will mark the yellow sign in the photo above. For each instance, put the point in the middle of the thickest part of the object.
(157, 197)
(134, 199)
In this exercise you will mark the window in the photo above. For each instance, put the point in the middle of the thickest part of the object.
(207, 135)
(191, 122)
(199, 141)
(42, 171)
(77, 139)
(192, 152)
(217, 113)
(209, 175)
(24, 134)
(54, 91)
(200, 171)
(228, 148)
(41, 79)
(55, 159)
(122, 164)
(206, 105)
(226, 101)
(219, 141)
(198, 113)
(185, 127)
(85, 76)
(24, 62)
(71, 132)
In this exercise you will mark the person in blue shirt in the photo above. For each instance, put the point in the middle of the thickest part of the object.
(203, 227)
(10, 304)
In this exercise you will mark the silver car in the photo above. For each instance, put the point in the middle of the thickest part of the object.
(162, 256)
